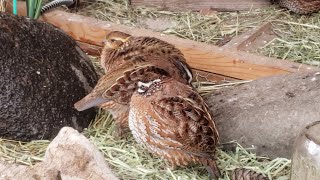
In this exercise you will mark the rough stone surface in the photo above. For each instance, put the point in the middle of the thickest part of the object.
(70, 156)
(269, 113)
(42, 74)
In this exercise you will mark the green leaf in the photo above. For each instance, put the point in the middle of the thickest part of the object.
(38, 9)
(30, 8)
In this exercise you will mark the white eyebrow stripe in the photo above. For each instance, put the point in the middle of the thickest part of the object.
(188, 72)
(148, 84)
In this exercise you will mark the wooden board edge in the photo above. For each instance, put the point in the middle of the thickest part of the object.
(201, 56)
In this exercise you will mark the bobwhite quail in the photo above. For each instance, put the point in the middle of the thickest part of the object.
(121, 47)
(113, 91)
(172, 121)
(300, 6)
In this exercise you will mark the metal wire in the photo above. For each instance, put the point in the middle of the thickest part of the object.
(54, 4)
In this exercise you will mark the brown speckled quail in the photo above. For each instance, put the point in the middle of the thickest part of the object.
(300, 6)
(121, 47)
(121, 83)
(172, 121)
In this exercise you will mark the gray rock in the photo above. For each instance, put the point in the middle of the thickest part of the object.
(269, 113)
(81, 159)
(42, 74)
(70, 156)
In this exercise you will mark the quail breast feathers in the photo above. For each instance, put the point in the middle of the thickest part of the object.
(172, 121)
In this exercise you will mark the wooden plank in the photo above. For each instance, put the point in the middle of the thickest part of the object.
(21, 8)
(95, 50)
(209, 76)
(240, 42)
(252, 39)
(199, 74)
(218, 5)
(200, 56)
(90, 49)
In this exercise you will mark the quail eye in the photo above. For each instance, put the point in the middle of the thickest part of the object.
(112, 40)
(141, 89)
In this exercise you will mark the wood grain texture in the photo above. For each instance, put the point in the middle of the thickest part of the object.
(219, 5)
(90, 49)
(199, 74)
(209, 76)
(243, 40)
(200, 56)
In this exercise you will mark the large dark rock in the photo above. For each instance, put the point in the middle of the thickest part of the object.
(42, 74)
(267, 114)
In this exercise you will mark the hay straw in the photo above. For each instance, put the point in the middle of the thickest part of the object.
(298, 36)
(26, 153)
(190, 25)
(298, 39)
(129, 160)
(205, 87)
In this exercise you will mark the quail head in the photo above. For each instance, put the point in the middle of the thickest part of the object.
(116, 40)
(172, 121)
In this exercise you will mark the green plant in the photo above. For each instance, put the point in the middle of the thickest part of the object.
(34, 8)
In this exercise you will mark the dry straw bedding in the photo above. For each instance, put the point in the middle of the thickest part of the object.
(298, 39)
(129, 160)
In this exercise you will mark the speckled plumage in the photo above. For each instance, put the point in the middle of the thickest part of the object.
(121, 48)
(172, 121)
(117, 86)
(301, 6)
